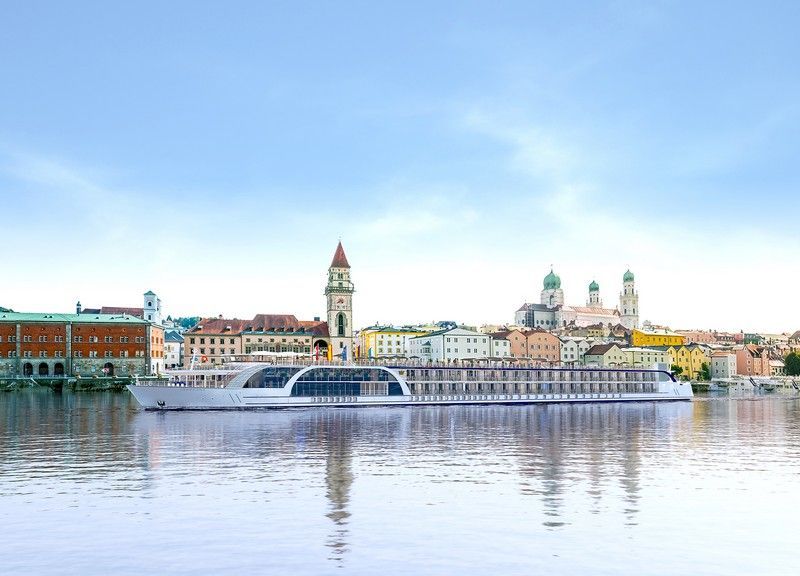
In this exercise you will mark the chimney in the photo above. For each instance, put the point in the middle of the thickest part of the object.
(78, 307)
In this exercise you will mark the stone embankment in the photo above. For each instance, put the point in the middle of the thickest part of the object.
(58, 384)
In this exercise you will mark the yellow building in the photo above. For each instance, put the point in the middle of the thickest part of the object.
(642, 338)
(386, 341)
(689, 358)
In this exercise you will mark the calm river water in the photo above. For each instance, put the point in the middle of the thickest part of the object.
(90, 485)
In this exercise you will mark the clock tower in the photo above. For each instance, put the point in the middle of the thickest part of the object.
(339, 293)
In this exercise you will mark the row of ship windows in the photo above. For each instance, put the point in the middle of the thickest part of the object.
(90, 339)
(90, 354)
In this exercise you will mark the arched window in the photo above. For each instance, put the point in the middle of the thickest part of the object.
(340, 324)
(44, 370)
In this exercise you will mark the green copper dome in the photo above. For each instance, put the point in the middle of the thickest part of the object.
(552, 281)
(594, 287)
(628, 276)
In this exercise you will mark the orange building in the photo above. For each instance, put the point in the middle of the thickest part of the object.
(518, 342)
(752, 360)
(542, 345)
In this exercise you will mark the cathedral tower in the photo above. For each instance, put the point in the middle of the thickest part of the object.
(339, 293)
(629, 302)
(552, 294)
(594, 300)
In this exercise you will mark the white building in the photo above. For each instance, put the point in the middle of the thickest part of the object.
(573, 349)
(173, 349)
(500, 348)
(451, 344)
(551, 312)
(646, 357)
(152, 308)
(723, 365)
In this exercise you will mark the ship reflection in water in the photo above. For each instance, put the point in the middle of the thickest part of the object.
(657, 488)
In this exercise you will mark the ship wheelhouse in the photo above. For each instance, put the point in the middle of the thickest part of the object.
(311, 381)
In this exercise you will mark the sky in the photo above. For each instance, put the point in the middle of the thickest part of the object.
(216, 152)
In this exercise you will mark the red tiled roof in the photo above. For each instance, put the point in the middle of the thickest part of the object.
(501, 334)
(219, 326)
(339, 259)
(122, 310)
(595, 310)
(272, 322)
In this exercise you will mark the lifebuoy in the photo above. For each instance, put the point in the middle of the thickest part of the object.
(204, 358)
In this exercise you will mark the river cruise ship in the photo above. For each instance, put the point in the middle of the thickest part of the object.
(298, 386)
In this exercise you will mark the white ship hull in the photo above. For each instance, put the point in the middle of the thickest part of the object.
(187, 398)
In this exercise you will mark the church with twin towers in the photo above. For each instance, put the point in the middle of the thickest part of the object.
(552, 313)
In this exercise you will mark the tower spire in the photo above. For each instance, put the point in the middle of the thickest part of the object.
(339, 258)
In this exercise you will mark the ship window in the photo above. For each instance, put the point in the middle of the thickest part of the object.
(272, 377)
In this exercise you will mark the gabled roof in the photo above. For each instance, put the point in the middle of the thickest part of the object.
(502, 334)
(536, 307)
(173, 336)
(600, 349)
(339, 258)
(464, 332)
(122, 310)
(593, 310)
(218, 326)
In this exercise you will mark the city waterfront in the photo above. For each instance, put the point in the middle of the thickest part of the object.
(90, 485)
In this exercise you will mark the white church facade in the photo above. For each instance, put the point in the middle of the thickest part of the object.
(552, 312)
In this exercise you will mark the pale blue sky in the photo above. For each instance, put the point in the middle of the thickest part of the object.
(214, 153)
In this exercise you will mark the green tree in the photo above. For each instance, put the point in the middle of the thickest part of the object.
(676, 370)
(187, 322)
(792, 364)
(705, 372)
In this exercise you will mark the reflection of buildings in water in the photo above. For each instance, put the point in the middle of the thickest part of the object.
(85, 434)
(564, 446)
(336, 432)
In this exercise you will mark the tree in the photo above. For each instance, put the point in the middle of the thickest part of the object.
(705, 372)
(676, 370)
(187, 322)
(792, 364)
